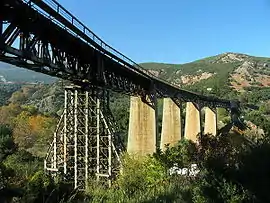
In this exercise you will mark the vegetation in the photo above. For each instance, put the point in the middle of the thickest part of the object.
(230, 168)
(226, 166)
(226, 174)
(6, 92)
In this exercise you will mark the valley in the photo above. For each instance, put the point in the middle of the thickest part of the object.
(30, 111)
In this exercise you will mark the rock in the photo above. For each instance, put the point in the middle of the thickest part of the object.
(191, 79)
(231, 57)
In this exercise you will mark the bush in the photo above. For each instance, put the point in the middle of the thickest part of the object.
(7, 145)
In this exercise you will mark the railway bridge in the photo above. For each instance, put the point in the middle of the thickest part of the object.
(41, 35)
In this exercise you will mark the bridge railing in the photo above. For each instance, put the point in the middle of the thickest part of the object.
(97, 43)
(116, 55)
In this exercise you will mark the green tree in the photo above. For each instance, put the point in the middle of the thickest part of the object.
(39, 188)
(132, 180)
(183, 154)
(7, 145)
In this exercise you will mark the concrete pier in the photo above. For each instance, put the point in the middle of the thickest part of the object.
(210, 124)
(142, 128)
(192, 122)
(171, 124)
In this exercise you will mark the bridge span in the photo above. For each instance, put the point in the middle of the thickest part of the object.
(41, 35)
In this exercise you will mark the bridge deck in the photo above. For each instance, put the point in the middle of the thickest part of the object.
(69, 50)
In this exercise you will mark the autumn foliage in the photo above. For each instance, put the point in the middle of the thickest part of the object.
(31, 130)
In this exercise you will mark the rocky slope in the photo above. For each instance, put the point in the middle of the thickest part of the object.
(239, 70)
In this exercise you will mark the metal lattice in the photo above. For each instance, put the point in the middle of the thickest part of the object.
(84, 142)
(41, 35)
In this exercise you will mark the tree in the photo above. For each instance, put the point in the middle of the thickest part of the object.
(254, 170)
(183, 154)
(7, 145)
(265, 108)
(39, 188)
(132, 180)
(22, 132)
(8, 113)
(18, 97)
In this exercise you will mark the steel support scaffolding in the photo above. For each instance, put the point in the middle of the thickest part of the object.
(84, 147)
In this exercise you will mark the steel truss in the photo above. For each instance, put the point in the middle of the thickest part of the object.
(35, 40)
(43, 36)
(84, 145)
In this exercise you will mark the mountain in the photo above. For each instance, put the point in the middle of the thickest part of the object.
(13, 74)
(228, 71)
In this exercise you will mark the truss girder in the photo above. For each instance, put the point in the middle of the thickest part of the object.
(51, 44)
(48, 48)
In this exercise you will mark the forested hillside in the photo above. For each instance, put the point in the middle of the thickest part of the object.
(222, 74)
(29, 113)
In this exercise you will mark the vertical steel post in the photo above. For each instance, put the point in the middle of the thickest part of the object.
(65, 132)
(75, 138)
(1, 33)
(21, 41)
(110, 155)
(1, 26)
(86, 110)
(109, 136)
(98, 137)
(54, 151)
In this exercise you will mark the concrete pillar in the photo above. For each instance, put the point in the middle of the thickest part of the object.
(210, 123)
(192, 122)
(142, 128)
(171, 124)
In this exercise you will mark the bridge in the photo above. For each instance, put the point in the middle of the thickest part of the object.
(41, 35)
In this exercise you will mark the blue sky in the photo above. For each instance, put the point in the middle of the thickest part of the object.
(177, 31)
